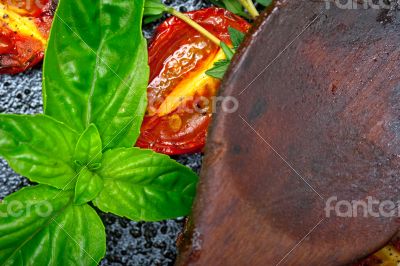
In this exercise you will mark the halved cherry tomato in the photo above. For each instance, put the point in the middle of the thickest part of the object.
(387, 256)
(180, 93)
(25, 25)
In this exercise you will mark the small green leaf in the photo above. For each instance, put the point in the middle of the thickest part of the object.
(39, 148)
(96, 69)
(88, 150)
(144, 185)
(219, 69)
(88, 186)
(233, 6)
(222, 62)
(237, 37)
(265, 2)
(40, 226)
(228, 51)
(154, 7)
(218, 3)
(236, 8)
(150, 19)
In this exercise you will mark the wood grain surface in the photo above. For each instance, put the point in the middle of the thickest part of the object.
(319, 117)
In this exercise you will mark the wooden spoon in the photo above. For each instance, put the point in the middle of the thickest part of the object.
(318, 122)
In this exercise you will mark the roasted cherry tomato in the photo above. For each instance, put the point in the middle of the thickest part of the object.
(25, 26)
(180, 93)
(387, 256)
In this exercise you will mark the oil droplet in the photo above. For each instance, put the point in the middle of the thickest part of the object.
(175, 122)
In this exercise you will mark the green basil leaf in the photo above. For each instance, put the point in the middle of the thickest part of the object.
(150, 19)
(95, 69)
(144, 185)
(233, 6)
(236, 36)
(218, 3)
(219, 69)
(40, 226)
(264, 2)
(153, 7)
(88, 150)
(88, 186)
(227, 51)
(39, 148)
(222, 62)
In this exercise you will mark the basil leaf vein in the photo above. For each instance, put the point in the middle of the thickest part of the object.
(91, 75)
(144, 185)
(40, 226)
(39, 148)
(88, 186)
(88, 150)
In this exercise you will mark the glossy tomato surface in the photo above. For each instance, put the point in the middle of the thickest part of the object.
(24, 31)
(180, 95)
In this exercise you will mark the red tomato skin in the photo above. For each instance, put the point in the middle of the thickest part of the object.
(20, 52)
(169, 37)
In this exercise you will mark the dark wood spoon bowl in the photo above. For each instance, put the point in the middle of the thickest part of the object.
(319, 117)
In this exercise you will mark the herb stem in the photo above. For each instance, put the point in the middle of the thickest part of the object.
(195, 25)
(249, 6)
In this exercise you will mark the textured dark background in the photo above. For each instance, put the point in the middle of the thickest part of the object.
(128, 243)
